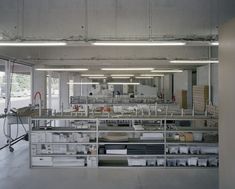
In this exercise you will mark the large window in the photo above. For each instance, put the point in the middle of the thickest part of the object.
(15, 92)
(2, 100)
(53, 91)
(20, 86)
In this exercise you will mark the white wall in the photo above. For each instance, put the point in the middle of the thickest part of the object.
(146, 90)
(180, 81)
(227, 104)
(202, 79)
(183, 81)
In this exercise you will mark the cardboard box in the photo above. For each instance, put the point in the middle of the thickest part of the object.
(181, 99)
(200, 97)
(188, 137)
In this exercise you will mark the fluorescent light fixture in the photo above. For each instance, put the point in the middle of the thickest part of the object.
(31, 44)
(92, 75)
(126, 69)
(215, 43)
(97, 77)
(83, 83)
(166, 71)
(144, 77)
(122, 75)
(152, 75)
(139, 43)
(61, 69)
(118, 83)
(194, 61)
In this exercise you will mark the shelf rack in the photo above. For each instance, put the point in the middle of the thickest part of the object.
(98, 129)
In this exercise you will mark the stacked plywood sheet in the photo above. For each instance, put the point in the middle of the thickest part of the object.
(181, 98)
(200, 97)
(213, 110)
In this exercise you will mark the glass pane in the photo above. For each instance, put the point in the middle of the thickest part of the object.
(21, 86)
(54, 92)
(2, 102)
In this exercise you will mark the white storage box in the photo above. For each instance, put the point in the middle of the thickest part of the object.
(59, 149)
(192, 161)
(151, 162)
(34, 137)
(173, 149)
(183, 149)
(181, 162)
(55, 138)
(171, 162)
(194, 150)
(117, 151)
(152, 136)
(209, 150)
(91, 162)
(42, 161)
(136, 162)
(197, 137)
(160, 162)
(48, 137)
(213, 162)
(202, 162)
(68, 161)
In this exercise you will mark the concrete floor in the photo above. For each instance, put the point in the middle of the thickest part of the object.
(16, 174)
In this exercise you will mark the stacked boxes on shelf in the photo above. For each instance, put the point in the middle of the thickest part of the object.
(200, 97)
(181, 99)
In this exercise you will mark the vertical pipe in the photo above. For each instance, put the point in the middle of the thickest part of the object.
(81, 87)
(209, 75)
(86, 20)
(49, 90)
(31, 83)
(8, 85)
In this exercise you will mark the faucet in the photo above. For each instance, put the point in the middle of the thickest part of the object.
(40, 102)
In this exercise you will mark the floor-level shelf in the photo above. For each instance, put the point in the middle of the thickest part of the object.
(151, 142)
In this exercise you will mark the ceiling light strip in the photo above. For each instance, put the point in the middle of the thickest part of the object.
(194, 61)
(126, 69)
(92, 75)
(152, 75)
(61, 69)
(215, 43)
(143, 77)
(83, 83)
(119, 83)
(122, 75)
(31, 43)
(167, 71)
(140, 43)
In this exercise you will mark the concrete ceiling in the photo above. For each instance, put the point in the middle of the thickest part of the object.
(85, 20)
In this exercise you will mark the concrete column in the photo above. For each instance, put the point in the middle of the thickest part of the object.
(227, 105)
(157, 83)
(203, 79)
(39, 84)
(167, 87)
(77, 88)
(64, 90)
(190, 88)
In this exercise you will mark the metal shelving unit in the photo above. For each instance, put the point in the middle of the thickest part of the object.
(133, 139)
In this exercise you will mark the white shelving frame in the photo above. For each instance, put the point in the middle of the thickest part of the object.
(97, 131)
